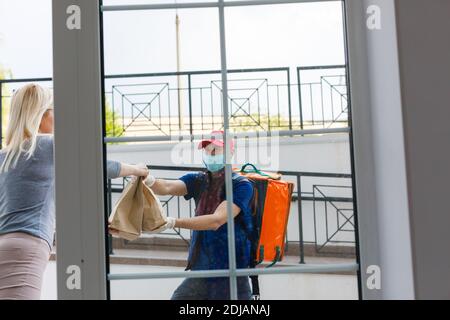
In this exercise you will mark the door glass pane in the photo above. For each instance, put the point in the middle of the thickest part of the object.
(162, 99)
(25, 54)
(170, 89)
(287, 72)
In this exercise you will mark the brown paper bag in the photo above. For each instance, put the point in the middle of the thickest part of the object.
(137, 210)
(153, 217)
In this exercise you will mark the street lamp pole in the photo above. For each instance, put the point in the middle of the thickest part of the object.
(180, 107)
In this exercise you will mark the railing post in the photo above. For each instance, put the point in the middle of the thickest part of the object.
(191, 130)
(112, 108)
(299, 86)
(300, 220)
(289, 97)
(108, 212)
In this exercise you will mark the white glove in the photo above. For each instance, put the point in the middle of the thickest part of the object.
(150, 180)
(170, 224)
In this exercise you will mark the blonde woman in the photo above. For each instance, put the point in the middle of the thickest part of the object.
(27, 193)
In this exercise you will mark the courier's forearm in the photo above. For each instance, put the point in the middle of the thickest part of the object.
(206, 222)
(160, 187)
(164, 187)
(209, 221)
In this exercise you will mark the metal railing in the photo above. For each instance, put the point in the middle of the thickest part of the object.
(340, 208)
(300, 197)
(325, 92)
(264, 99)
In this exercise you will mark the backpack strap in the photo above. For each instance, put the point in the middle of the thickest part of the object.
(238, 178)
(253, 170)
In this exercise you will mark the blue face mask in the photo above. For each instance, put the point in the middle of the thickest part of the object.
(214, 163)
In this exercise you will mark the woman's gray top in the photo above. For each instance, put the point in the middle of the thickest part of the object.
(27, 192)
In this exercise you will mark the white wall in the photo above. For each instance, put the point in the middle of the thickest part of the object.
(389, 157)
(380, 171)
(326, 153)
(399, 81)
(424, 50)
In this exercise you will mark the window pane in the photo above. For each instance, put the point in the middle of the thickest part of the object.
(287, 72)
(131, 2)
(157, 289)
(278, 46)
(26, 38)
(163, 102)
(287, 35)
(267, 50)
(145, 41)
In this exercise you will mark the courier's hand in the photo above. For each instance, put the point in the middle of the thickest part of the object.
(170, 224)
(150, 180)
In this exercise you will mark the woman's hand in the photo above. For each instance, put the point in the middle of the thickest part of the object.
(111, 230)
(139, 170)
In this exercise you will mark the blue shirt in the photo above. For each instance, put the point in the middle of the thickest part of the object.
(27, 192)
(213, 245)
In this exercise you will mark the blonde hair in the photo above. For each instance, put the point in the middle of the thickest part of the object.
(28, 105)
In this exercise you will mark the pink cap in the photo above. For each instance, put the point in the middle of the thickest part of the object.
(216, 139)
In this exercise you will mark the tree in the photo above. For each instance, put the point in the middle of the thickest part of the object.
(113, 125)
(5, 103)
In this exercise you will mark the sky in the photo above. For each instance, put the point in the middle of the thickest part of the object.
(144, 41)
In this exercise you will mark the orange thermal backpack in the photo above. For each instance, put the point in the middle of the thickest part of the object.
(270, 209)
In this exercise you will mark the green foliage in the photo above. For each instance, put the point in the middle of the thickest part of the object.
(259, 123)
(113, 125)
(4, 74)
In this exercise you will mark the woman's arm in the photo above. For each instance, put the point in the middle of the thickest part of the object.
(208, 222)
(139, 170)
(116, 169)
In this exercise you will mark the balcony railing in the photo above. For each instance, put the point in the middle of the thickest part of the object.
(322, 205)
(180, 103)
